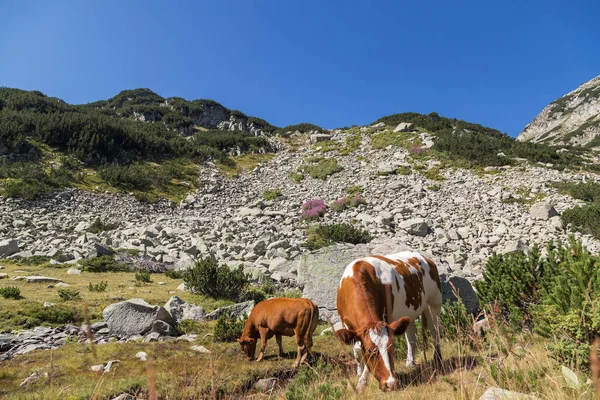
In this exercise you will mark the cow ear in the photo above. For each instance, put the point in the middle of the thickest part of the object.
(346, 335)
(399, 326)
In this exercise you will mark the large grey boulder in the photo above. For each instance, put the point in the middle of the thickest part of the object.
(542, 210)
(462, 286)
(237, 310)
(319, 274)
(8, 247)
(134, 317)
(415, 226)
(180, 310)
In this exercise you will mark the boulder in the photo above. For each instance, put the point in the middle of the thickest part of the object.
(465, 291)
(237, 310)
(8, 247)
(180, 310)
(319, 137)
(415, 226)
(265, 384)
(319, 274)
(542, 210)
(404, 127)
(134, 317)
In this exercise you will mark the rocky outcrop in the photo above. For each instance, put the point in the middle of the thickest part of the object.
(136, 317)
(180, 310)
(572, 119)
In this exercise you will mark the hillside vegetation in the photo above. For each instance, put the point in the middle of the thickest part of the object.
(51, 143)
(470, 144)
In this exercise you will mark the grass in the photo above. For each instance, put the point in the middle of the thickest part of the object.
(518, 363)
(119, 286)
(327, 146)
(244, 163)
(322, 169)
(269, 194)
(391, 138)
(523, 196)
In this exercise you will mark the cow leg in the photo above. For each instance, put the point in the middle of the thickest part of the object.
(300, 357)
(263, 342)
(432, 315)
(411, 341)
(278, 338)
(361, 368)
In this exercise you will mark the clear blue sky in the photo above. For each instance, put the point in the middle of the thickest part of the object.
(333, 63)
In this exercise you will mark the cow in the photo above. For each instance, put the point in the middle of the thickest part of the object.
(382, 296)
(280, 317)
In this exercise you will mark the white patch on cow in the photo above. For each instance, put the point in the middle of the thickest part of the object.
(384, 271)
(381, 339)
(413, 270)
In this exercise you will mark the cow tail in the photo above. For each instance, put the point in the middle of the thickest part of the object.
(314, 320)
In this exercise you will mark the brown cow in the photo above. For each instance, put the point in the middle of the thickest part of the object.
(280, 317)
(379, 297)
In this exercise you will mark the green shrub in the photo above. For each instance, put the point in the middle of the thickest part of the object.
(68, 294)
(297, 176)
(208, 278)
(174, 274)
(511, 284)
(254, 294)
(104, 263)
(11, 292)
(322, 169)
(354, 190)
(271, 194)
(99, 287)
(328, 234)
(585, 219)
(143, 276)
(35, 314)
(228, 327)
(404, 170)
(100, 226)
(455, 321)
(569, 310)
(588, 191)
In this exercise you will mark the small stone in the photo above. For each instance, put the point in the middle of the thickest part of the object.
(73, 271)
(141, 355)
(97, 367)
(200, 349)
(265, 384)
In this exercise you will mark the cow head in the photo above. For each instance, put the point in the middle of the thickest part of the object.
(377, 346)
(248, 346)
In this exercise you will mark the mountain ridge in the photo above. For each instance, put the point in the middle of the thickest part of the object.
(572, 119)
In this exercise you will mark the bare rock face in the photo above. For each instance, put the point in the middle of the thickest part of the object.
(572, 119)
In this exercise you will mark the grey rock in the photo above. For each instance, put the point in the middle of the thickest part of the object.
(319, 137)
(8, 247)
(163, 329)
(237, 310)
(542, 210)
(73, 271)
(134, 317)
(265, 384)
(498, 394)
(404, 127)
(141, 355)
(465, 290)
(40, 279)
(3, 275)
(180, 310)
(200, 349)
(319, 272)
(415, 226)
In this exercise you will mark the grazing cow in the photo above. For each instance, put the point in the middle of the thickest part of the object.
(379, 297)
(280, 317)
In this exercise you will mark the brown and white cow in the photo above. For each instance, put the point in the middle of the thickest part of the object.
(382, 296)
(280, 317)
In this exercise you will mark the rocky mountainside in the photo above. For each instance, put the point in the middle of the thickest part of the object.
(458, 216)
(573, 119)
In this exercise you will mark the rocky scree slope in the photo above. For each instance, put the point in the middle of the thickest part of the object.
(573, 119)
(459, 221)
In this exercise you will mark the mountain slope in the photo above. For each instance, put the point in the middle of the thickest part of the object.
(573, 119)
